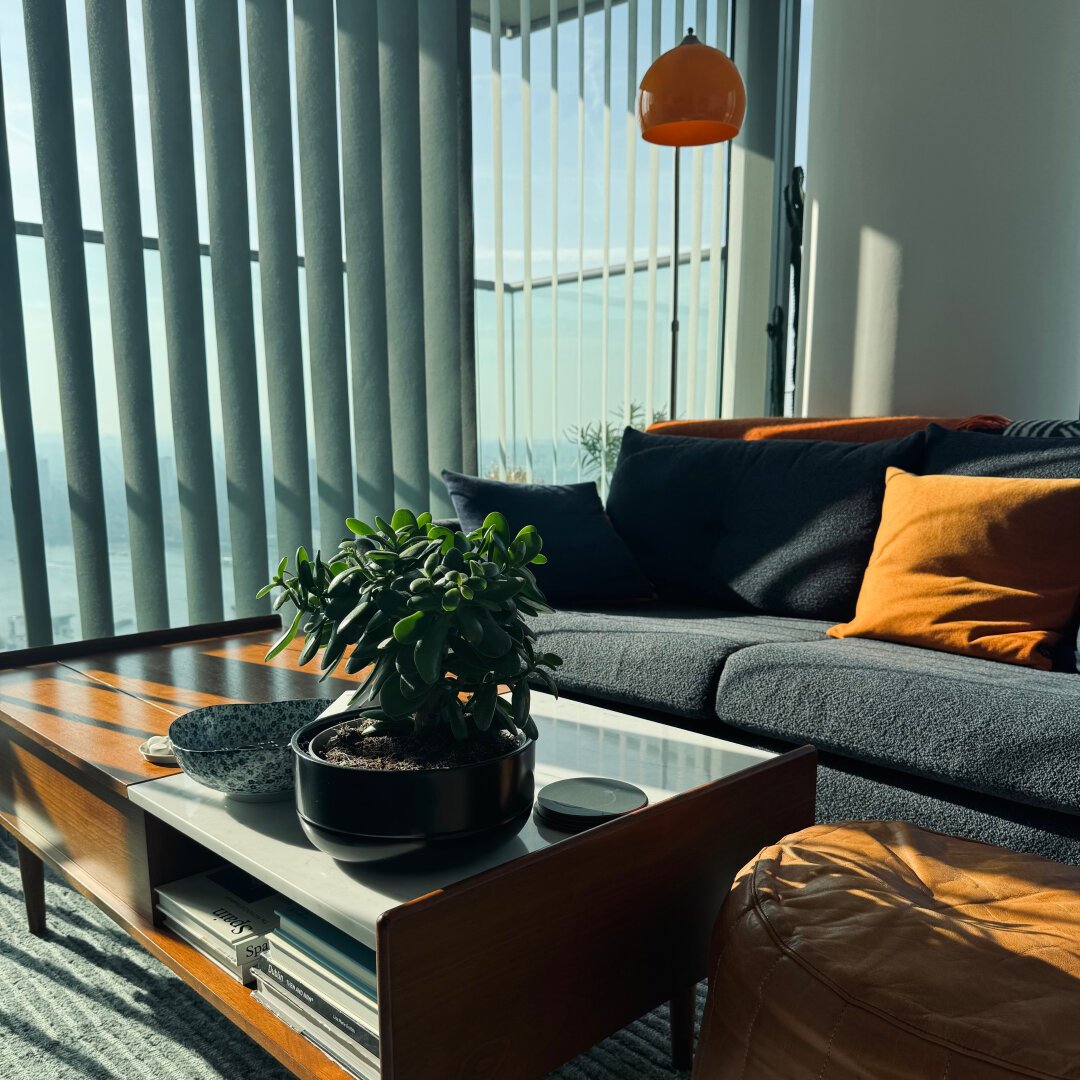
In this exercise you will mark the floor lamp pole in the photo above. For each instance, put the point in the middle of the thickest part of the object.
(675, 300)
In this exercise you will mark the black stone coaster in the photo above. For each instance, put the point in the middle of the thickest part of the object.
(585, 801)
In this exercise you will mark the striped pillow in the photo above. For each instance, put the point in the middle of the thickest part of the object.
(1044, 429)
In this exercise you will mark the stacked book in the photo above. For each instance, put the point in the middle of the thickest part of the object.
(321, 982)
(225, 913)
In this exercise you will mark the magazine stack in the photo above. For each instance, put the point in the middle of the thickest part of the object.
(321, 982)
(225, 913)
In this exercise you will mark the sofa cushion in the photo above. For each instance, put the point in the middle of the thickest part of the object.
(993, 728)
(663, 658)
(774, 527)
(968, 453)
(972, 453)
(588, 562)
(977, 565)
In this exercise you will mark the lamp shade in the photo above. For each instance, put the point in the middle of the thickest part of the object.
(692, 95)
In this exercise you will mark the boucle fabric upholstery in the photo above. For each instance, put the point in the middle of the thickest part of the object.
(848, 789)
(993, 728)
(658, 657)
(774, 528)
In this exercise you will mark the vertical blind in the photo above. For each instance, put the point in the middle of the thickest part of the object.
(577, 311)
(381, 92)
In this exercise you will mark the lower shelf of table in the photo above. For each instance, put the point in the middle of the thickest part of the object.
(231, 999)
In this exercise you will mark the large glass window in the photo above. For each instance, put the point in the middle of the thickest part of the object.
(44, 391)
(579, 357)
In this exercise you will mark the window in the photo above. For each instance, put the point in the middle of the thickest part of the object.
(580, 211)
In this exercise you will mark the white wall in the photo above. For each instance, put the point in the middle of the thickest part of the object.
(942, 238)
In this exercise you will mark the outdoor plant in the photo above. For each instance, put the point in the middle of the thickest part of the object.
(440, 615)
(599, 443)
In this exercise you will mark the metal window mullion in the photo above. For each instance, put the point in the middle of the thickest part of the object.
(605, 294)
(114, 124)
(581, 221)
(719, 154)
(554, 20)
(275, 202)
(441, 262)
(18, 420)
(403, 244)
(169, 92)
(526, 215)
(320, 191)
(787, 79)
(49, 65)
(497, 212)
(654, 236)
(218, 37)
(466, 248)
(631, 206)
(366, 280)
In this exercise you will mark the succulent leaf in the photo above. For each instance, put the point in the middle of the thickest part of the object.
(435, 612)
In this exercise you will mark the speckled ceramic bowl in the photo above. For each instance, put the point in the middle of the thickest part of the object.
(243, 750)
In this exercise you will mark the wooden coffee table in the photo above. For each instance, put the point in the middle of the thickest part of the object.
(502, 958)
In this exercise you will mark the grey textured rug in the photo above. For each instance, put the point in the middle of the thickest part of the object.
(87, 1002)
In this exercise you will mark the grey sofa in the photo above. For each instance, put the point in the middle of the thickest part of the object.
(964, 746)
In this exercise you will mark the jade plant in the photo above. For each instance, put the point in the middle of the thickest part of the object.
(438, 614)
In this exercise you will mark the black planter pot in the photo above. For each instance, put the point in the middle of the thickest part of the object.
(357, 815)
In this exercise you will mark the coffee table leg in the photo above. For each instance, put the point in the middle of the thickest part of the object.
(32, 871)
(683, 1008)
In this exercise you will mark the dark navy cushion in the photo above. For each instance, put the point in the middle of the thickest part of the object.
(588, 562)
(779, 527)
(971, 453)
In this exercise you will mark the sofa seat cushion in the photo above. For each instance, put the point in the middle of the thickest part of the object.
(664, 658)
(992, 728)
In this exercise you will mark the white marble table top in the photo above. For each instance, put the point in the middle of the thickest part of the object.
(575, 740)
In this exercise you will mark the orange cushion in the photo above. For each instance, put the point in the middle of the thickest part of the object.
(847, 429)
(978, 565)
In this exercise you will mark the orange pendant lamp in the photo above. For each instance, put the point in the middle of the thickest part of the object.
(692, 95)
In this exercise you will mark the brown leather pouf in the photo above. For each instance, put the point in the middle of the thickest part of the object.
(882, 951)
